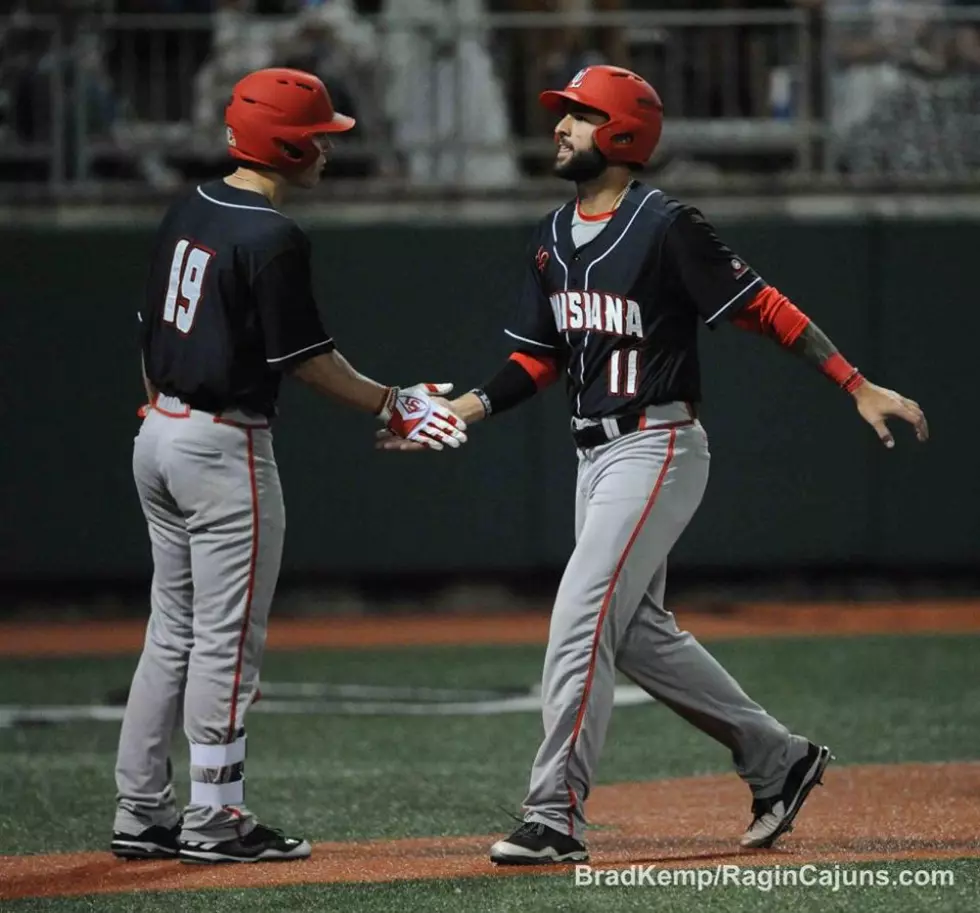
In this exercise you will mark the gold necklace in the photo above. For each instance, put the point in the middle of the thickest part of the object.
(621, 197)
(616, 202)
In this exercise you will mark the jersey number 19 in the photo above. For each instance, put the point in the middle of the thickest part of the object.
(187, 271)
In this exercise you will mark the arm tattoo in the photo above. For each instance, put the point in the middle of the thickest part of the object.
(813, 345)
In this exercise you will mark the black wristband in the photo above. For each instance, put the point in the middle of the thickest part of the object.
(509, 387)
(485, 400)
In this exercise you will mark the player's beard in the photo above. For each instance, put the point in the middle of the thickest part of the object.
(583, 165)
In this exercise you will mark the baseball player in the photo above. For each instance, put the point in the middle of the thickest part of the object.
(615, 284)
(229, 310)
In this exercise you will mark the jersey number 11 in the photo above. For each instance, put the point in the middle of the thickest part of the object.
(187, 271)
(624, 372)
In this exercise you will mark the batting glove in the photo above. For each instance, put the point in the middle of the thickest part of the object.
(411, 413)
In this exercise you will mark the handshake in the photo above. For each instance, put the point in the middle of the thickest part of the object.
(417, 418)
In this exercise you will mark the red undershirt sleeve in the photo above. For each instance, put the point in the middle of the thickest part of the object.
(521, 376)
(772, 314)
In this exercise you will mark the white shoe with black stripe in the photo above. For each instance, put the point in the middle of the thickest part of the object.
(773, 816)
(261, 844)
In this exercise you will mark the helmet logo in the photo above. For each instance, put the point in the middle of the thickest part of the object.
(578, 78)
(231, 136)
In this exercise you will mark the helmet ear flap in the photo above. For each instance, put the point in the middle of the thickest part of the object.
(625, 141)
(289, 150)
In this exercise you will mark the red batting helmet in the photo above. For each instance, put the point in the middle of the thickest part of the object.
(269, 108)
(635, 112)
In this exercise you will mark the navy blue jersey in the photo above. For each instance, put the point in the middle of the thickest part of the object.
(621, 313)
(229, 302)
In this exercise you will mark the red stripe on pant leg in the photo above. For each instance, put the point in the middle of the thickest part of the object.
(606, 599)
(253, 482)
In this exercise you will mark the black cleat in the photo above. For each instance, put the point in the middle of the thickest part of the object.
(155, 842)
(773, 817)
(537, 844)
(261, 844)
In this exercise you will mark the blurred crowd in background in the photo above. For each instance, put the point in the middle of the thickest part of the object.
(111, 89)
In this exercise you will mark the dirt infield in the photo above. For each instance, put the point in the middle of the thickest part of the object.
(746, 620)
(866, 814)
(871, 813)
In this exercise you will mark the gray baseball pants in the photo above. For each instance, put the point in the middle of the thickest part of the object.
(210, 492)
(635, 495)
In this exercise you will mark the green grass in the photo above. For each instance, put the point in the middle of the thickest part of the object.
(874, 699)
(880, 699)
(549, 894)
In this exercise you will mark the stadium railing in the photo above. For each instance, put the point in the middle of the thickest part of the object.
(126, 106)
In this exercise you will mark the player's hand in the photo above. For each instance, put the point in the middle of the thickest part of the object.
(385, 440)
(875, 404)
(418, 415)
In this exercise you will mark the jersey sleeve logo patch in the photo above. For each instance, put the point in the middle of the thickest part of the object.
(739, 267)
(541, 258)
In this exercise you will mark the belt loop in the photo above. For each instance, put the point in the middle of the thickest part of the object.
(168, 405)
(241, 421)
(611, 427)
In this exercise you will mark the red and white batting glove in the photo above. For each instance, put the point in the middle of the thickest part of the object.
(412, 414)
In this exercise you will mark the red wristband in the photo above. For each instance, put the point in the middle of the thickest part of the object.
(842, 373)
